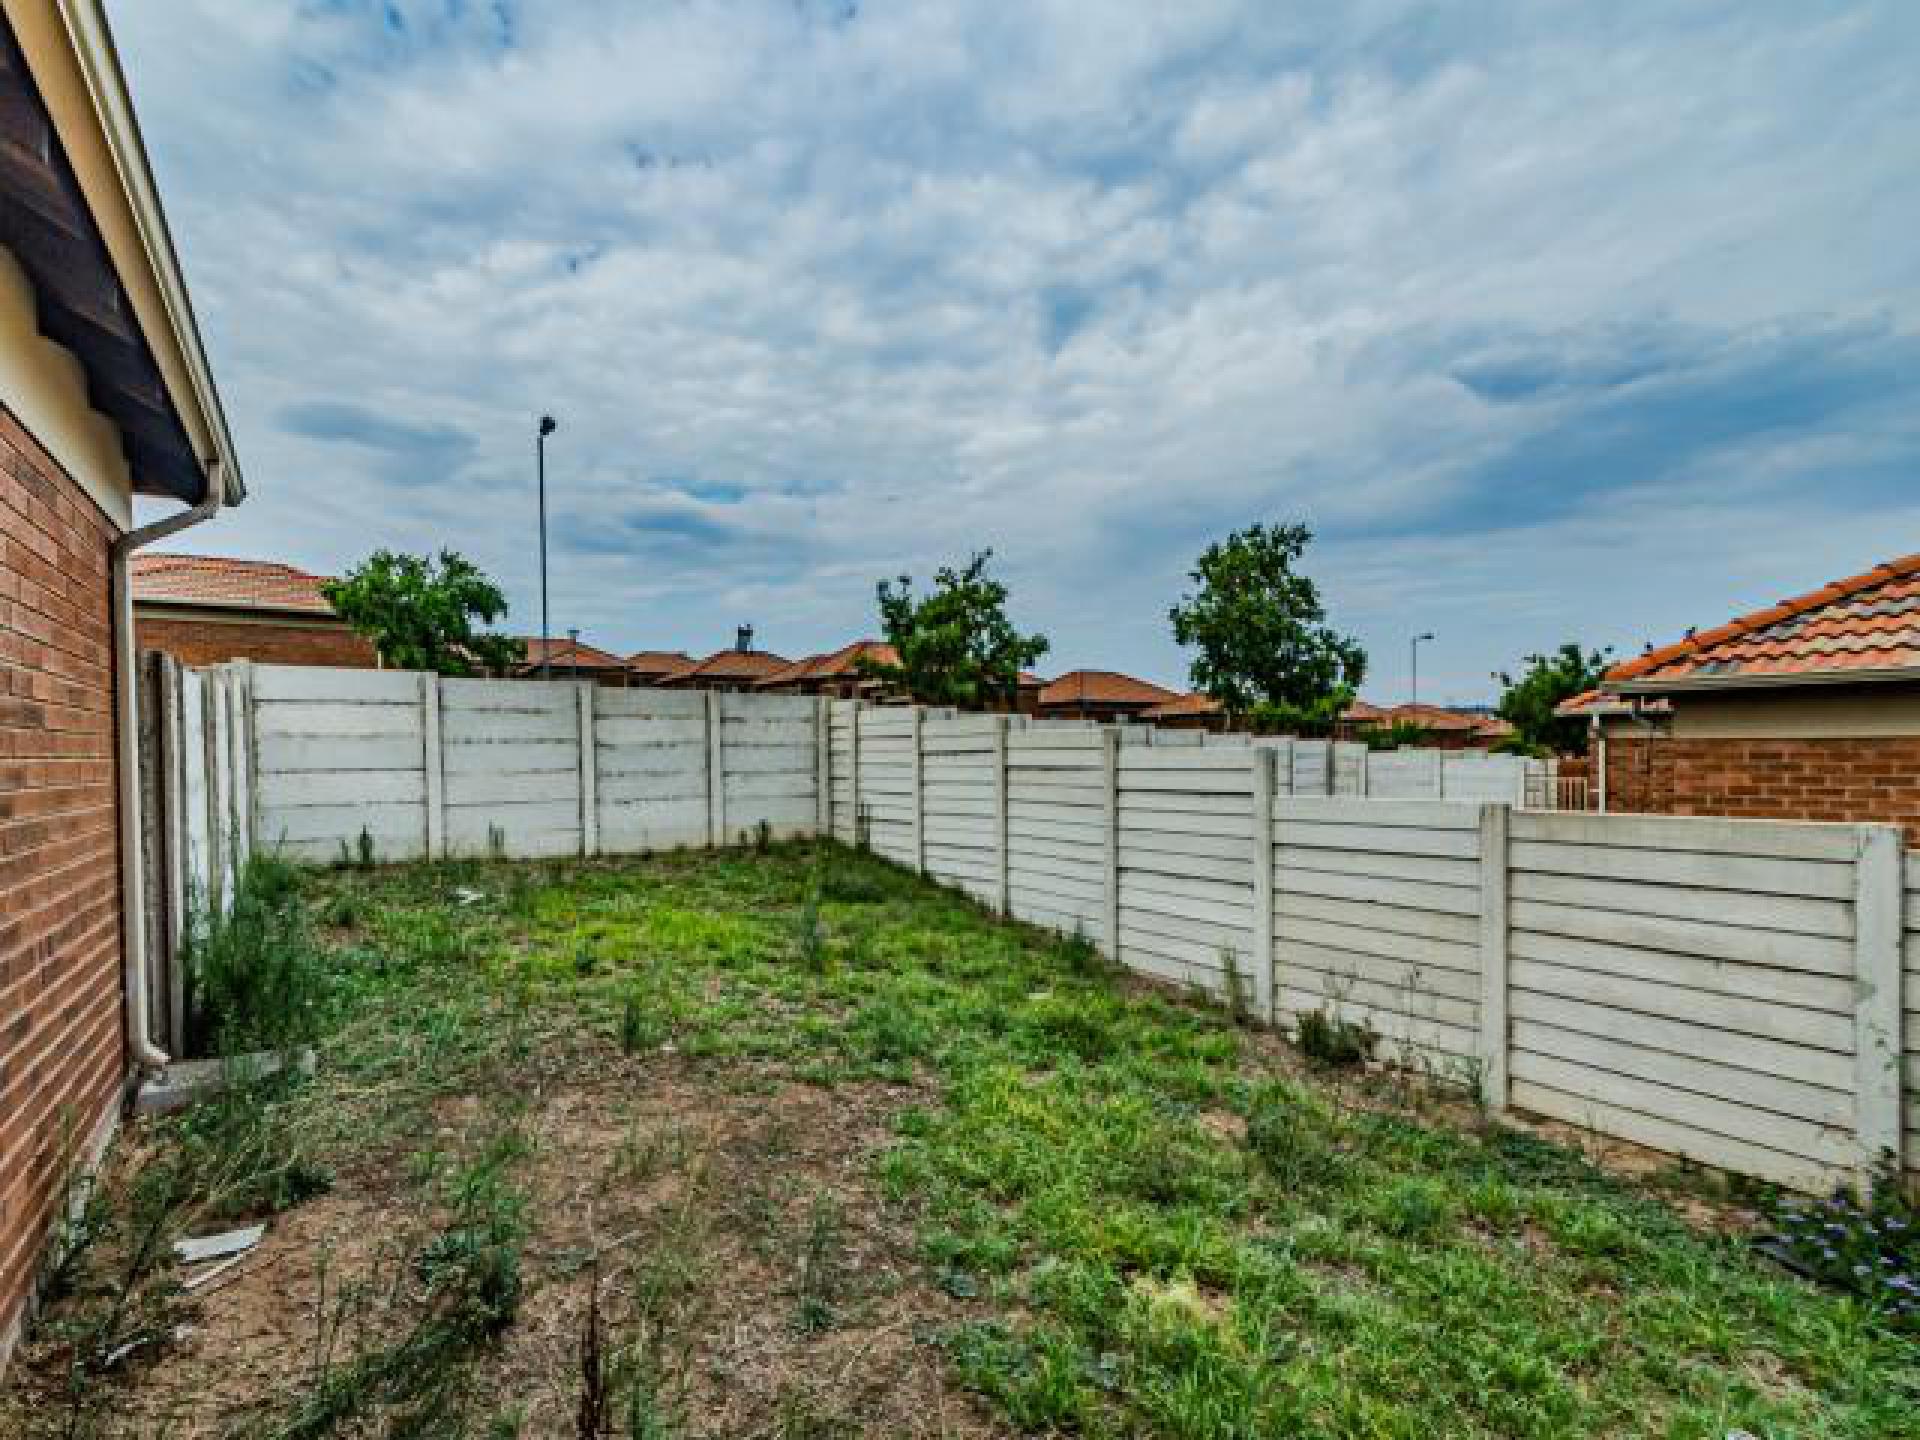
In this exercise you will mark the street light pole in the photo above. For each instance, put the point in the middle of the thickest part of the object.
(1415, 649)
(547, 427)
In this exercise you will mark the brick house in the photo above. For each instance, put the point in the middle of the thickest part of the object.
(105, 394)
(1807, 710)
(1187, 712)
(650, 667)
(205, 609)
(735, 669)
(837, 673)
(1100, 695)
(1441, 728)
(572, 659)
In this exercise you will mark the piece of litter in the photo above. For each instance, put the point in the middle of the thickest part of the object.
(213, 1247)
(469, 897)
(212, 1272)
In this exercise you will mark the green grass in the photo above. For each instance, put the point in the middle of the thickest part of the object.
(1152, 1223)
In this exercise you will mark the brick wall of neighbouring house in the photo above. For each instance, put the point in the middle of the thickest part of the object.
(61, 1037)
(1864, 779)
(204, 642)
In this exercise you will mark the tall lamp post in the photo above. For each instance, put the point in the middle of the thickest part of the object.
(1415, 650)
(547, 427)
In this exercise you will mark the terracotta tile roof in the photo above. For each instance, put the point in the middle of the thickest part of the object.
(1433, 717)
(730, 665)
(841, 664)
(1181, 707)
(227, 583)
(658, 662)
(1102, 687)
(1492, 727)
(1869, 621)
(574, 654)
(1598, 702)
(1362, 713)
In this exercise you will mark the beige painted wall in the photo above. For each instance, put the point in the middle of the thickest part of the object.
(45, 388)
(1811, 713)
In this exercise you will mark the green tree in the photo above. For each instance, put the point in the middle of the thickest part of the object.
(956, 645)
(1527, 702)
(1264, 647)
(421, 614)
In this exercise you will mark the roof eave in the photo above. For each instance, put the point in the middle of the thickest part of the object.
(1876, 675)
(69, 51)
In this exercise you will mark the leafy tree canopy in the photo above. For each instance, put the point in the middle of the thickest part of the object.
(1258, 627)
(421, 614)
(956, 644)
(1527, 702)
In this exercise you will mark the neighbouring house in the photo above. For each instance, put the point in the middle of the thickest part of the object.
(1806, 710)
(1490, 731)
(205, 609)
(1441, 728)
(1099, 695)
(652, 667)
(838, 673)
(740, 668)
(1187, 712)
(1358, 718)
(105, 394)
(571, 659)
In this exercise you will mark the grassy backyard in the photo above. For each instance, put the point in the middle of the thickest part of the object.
(791, 1144)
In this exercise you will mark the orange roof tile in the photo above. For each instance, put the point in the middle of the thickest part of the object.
(1360, 712)
(1869, 621)
(1102, 687)
(227, 583)
(730, 665)
(843, 663)
(574, 654)
(658, 662)
(1433, 717)
(1182, 706)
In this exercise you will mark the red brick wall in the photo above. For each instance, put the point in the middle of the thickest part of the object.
(61, 1037)
(1864, 779)
(207, 642)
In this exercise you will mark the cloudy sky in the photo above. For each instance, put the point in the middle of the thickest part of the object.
(1554, 321)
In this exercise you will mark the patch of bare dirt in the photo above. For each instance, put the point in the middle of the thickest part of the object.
(727, 1218)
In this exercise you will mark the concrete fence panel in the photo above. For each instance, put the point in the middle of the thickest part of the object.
(1742, 993)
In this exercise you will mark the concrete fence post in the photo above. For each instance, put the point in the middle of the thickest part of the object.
(918, 760)
(1879, 890)
(246, 757)
(823, 765)
(1262, 771)
(209, 757)
(1494, 935)
(853, 777)
(1003, 866)
(1110, 789)
(589, 772)
(433, 757)
(716, 773)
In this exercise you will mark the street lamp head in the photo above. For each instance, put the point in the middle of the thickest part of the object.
(1427, 636)
(548, 425)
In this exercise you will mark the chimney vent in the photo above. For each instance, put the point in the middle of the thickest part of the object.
(743, 638)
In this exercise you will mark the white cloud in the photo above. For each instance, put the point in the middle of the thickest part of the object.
(1089, 284)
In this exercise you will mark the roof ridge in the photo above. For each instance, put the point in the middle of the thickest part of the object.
(1760, 619)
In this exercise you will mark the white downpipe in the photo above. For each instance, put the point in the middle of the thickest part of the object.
(133, 885)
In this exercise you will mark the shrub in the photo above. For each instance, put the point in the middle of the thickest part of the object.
(1290, 1135)
(1332, 1039)
(254, 975)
